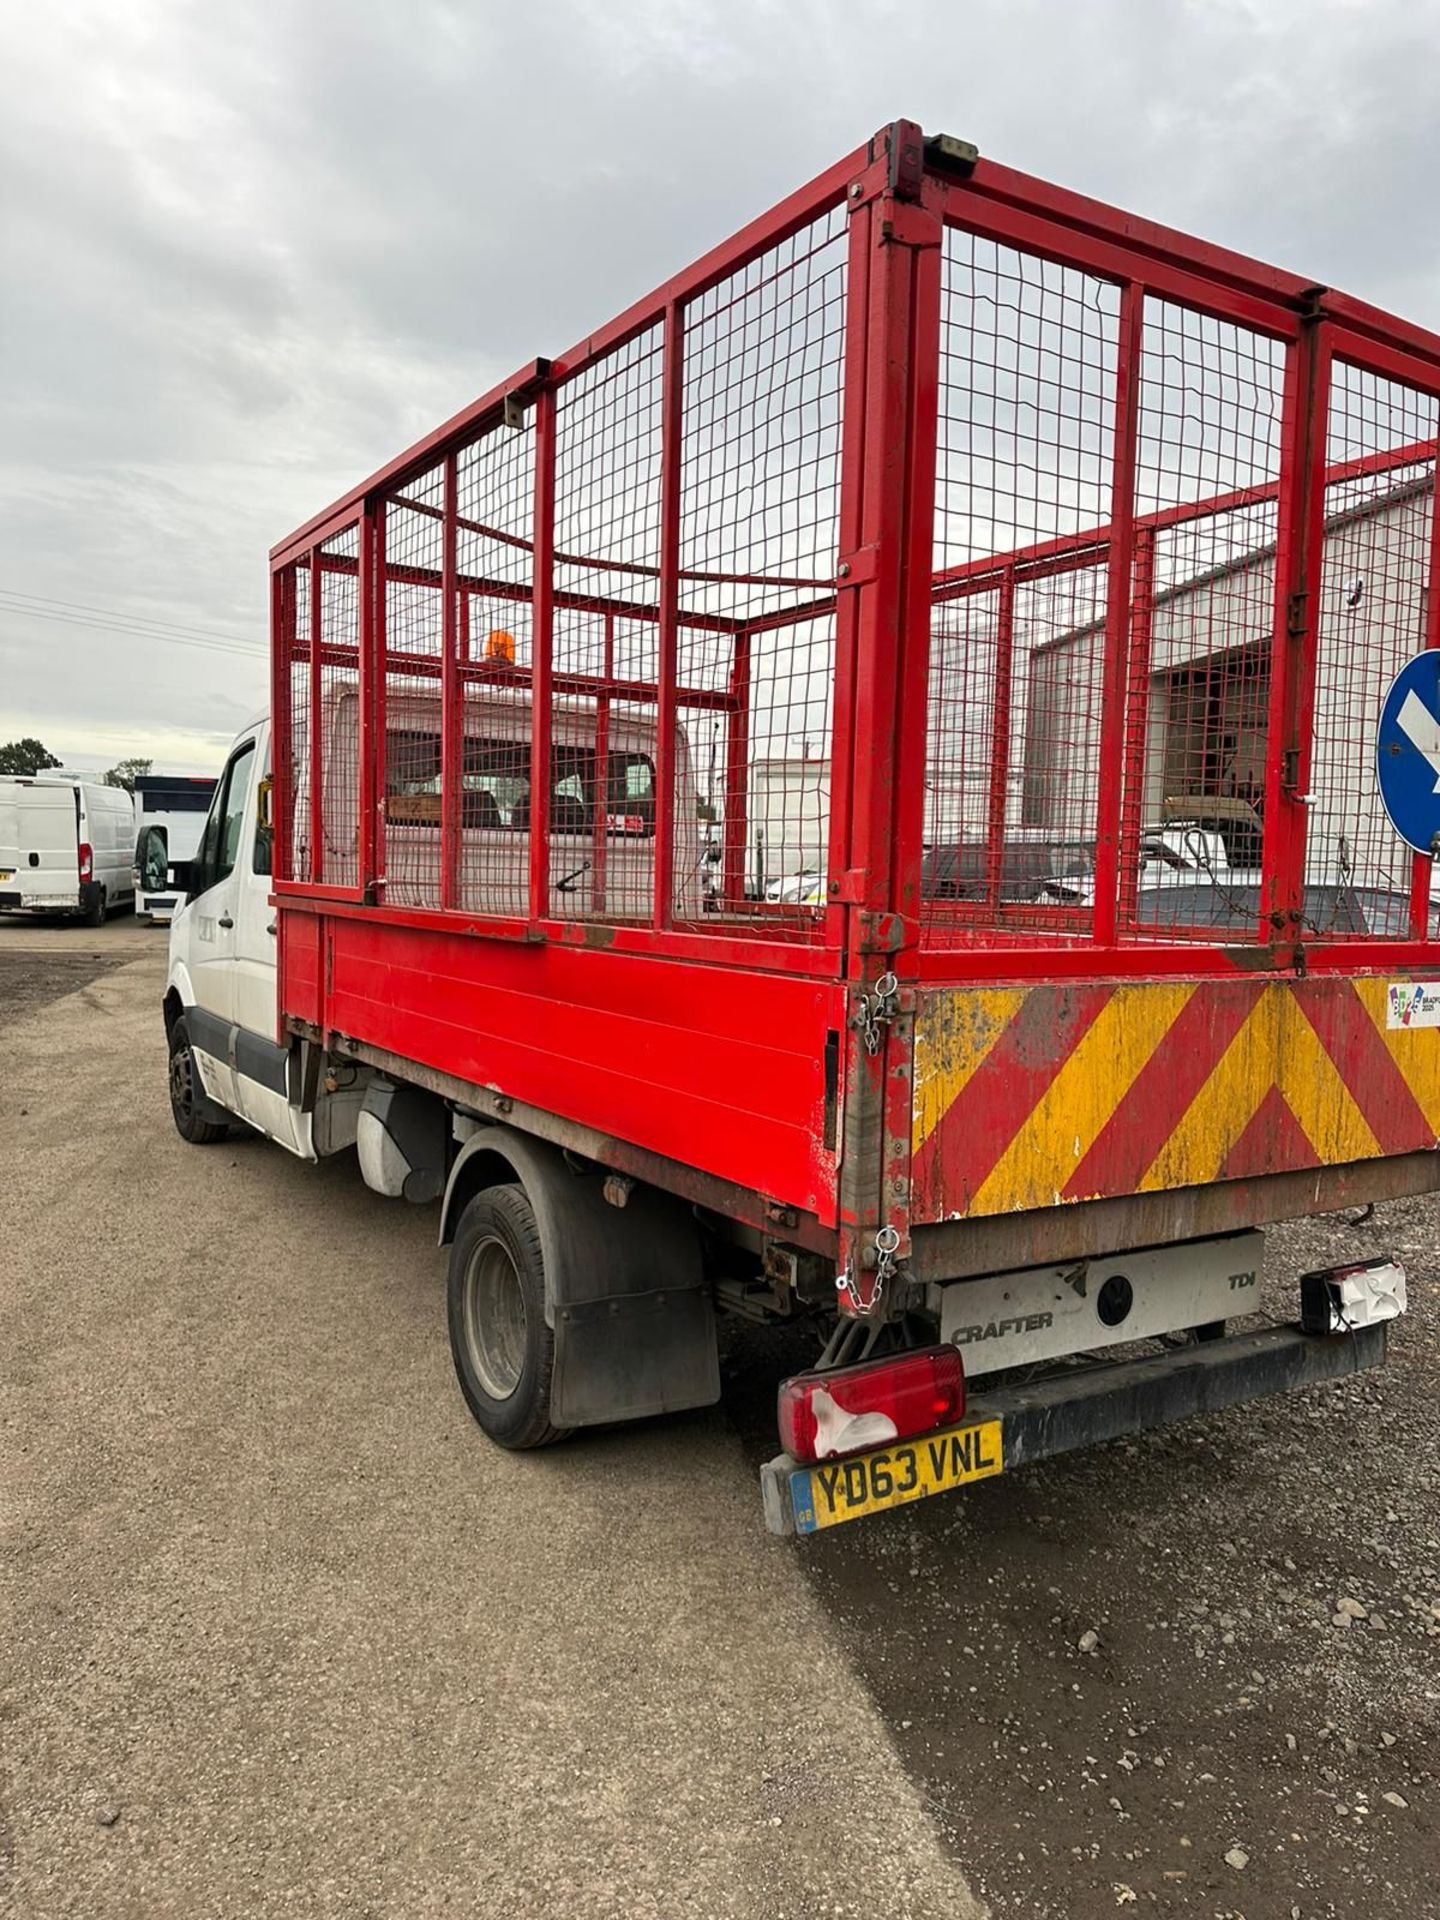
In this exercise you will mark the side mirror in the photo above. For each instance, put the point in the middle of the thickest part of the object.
(263, 859)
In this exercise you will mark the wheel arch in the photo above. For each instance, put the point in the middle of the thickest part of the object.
(486, 1160)
(179, 994)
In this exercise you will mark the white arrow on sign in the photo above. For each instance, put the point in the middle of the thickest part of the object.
(1422, 729)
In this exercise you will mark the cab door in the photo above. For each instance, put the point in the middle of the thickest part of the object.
(211, 913)
(261, 1056)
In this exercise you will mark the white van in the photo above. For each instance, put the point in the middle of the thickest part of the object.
(66, 846)
(170, 810)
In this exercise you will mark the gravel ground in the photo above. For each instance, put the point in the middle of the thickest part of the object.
(281, 1633)
(1198, 1672)
(43, 959)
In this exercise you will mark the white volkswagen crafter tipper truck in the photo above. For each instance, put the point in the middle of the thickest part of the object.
(1005, 1160)
(545, 1238)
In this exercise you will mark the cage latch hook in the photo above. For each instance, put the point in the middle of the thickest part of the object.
(876, 1010)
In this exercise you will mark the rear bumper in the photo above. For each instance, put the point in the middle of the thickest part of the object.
(1098, 1229)
(1090, 1405)
(72, 902)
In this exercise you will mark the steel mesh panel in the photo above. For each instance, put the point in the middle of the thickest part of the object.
(607, 476)
(783, 778)
(704, 674)
(960, 728)
(495, 494)
(1371, 617)
(299, 839)
(1024, 464)
(1061, 617)
(1203, 608)
(602, 795)
(293, 846)
(339, 711)
(409, 754)
(764, 353)
(607, 567)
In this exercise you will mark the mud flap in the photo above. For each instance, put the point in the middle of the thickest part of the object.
(633, 1319)
(634, 1354)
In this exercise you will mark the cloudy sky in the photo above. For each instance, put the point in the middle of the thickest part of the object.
(250, 252)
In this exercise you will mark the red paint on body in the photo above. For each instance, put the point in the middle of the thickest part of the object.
(1272, 1139)
(1162, 1091)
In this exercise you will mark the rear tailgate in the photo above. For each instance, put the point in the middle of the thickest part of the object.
(1028, 1097)
(39, 845)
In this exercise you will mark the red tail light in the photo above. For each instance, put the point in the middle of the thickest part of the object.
(824, 1415)
(87, 863)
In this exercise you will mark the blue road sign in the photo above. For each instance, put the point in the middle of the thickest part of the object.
(1407, 752)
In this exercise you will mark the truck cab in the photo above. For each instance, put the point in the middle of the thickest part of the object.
(221, 995)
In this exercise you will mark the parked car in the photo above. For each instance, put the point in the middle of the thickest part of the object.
(805, 889)
(1235, 907)
(1181, 856)
(1029, 870)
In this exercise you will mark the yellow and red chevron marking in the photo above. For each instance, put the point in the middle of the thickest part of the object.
(1032, 1096)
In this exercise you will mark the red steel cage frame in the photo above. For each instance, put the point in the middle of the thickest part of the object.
(902, 195)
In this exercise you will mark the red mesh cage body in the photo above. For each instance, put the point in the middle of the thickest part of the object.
(947, 577)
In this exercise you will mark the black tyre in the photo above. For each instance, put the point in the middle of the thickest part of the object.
(503, 1350)
(95, 908)
(187, 1102)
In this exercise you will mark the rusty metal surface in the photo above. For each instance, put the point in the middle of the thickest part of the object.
(961, 1249)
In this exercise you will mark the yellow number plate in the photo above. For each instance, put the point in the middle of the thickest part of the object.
(838, 1490)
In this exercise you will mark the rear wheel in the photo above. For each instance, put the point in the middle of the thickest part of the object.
(95, 912)
(504, 1351)
(187, 1102)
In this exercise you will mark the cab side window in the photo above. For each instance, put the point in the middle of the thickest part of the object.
(202, 866)
(262, 859)
(220, 843)
(235, 787)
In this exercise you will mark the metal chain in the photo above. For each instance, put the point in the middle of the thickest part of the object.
(845, 1284)
(887, 1243)
(876, 1010)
